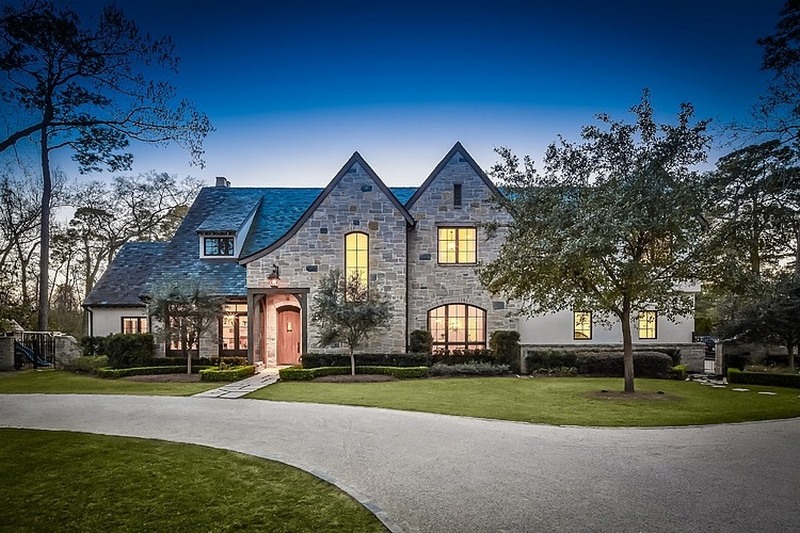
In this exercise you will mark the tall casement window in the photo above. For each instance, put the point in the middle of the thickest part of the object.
(457, 245)
(134, 324)
(218, 246)
(647, 324)
(233, 329)
(457, 327)
(582, 326)
(356, 256)
(183, 333)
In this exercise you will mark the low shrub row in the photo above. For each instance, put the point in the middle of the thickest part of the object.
(456, 357)
(762, 378)
(316, 360)
(129, 350)
(469, 369)
(87, 364)
(144, 371)
(306, 374)
(607, 363)
(229, 374)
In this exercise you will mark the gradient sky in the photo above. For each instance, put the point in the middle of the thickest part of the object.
(294, 87)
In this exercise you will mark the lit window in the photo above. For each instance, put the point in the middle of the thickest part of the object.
(183, 331)
(356, 256)
(217, 246)
(647, 325)
(457, 245)
(582, 326)
(135, 324)
(457, 327)
(233, 329)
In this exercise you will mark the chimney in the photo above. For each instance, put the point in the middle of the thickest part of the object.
(222, 182)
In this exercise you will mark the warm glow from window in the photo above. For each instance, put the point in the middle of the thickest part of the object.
(233, 328)
(582, 325)
(647, 325)
(457, 245)
(457, 327)
(134, 325)
(356, 256)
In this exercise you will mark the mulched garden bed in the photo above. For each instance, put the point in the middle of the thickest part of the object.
(358, 378)
(166, 378)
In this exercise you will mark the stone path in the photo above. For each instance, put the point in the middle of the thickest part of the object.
(244, 387)
(434, 473)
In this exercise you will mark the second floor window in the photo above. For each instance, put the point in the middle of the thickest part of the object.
(356, 256)
(457, 245)
(218, 246)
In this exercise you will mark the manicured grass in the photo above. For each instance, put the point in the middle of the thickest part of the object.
(62, 382)
(552, 400)
(58, 481)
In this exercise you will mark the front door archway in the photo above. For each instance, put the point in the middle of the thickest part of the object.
(288, 335)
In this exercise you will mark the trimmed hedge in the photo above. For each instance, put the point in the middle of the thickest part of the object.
(306, 374)
(198, 361)
(316, 360)
(456, 357)
(129, 350)
(91, 346)
(645, 364)
(229, 374)
(759, 378)
(469, 369)
(114, 373)
(420, 341)
(505, 347)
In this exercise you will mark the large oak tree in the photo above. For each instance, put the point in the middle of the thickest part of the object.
(614, 224)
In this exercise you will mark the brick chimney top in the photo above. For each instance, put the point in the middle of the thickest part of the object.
(223, 182)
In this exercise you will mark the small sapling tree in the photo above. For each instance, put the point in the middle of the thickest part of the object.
(348, 311)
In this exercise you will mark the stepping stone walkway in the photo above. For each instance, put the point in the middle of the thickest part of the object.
(767, 393)
(740, 390)
(242, 388)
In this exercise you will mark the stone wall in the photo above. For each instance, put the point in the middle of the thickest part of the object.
(433, 284)
(356, 203)
(6, 353)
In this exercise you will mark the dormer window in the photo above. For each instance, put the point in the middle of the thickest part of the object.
(218, 246)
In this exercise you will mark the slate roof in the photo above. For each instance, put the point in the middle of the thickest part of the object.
(216, 209)
(122, 282)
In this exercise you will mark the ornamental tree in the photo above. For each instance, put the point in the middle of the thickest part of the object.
(614, 224)
(348, 311)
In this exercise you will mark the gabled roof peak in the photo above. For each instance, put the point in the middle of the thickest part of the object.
(457, 148)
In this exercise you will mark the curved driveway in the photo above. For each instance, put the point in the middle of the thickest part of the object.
(431, 473)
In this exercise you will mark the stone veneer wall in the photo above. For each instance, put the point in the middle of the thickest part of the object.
(356, 203)
(432, 284)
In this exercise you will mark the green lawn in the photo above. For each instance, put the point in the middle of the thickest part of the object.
(62, 382)
(58, 481)
(553, 400)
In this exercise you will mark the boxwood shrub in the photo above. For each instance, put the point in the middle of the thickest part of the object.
(88, 364)
(316, 360)
(307, 374)
(762, 378)
(455, 357)
(144, 371)
(505, 348)
(645, 364)
(420, 341)
(469, 369)
(545, 359)
(129, 350)
(229, 374)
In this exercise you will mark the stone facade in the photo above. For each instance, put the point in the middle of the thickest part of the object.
(432, 284)
(355, 204)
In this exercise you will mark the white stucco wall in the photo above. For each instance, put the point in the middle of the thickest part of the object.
(556, 328)
(107, 320)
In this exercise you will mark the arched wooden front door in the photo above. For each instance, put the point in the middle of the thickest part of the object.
(288, 336)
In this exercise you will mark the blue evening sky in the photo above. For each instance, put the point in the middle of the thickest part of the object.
(294, 87)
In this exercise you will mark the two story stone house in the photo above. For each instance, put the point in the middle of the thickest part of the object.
(266, 250)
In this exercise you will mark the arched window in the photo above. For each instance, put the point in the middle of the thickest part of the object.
(356, 256)
(457, 327)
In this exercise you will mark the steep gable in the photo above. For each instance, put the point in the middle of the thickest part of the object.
(457, 154)
(354, 164)
(121, 284)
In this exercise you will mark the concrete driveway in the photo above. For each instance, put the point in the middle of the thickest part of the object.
(432, 473)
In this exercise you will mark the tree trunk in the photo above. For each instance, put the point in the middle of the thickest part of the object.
(790, 354)
(627, 347)
(44, 244)
(352, 363)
